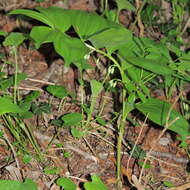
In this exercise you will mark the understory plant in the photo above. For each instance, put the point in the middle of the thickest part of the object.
(13, 108)
(141, 63)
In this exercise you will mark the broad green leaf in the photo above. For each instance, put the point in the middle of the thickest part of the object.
(96, 87)
(110, 38)
(58, 16)
(133, 48)
(42, 34)
(152, 47)
(96, 184)
(72, 49)
(57, 91)
(7, 106)
(33, 14)
(17, 185)
(151, 65)
(66, 183)
(158, 111)
(14, 39)
(125, 4)
(88, 24)
(72, 119)
(29, 185)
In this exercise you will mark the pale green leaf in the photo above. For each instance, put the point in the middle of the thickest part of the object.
(7, 106)
(14, 39)
(125, 4)
(96, 87)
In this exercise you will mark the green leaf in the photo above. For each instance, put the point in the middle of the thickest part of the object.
(96, 184)
(17, 185)
(29, 185)
(125, 4)
(7, 106)
(6, 83)
(82, 65)
(3, 33)
(150, 65)
(44, 107)
(57, 91)
(32, 96)
(88, 24)
(58, 16)
(66, 183)
(24, 105)
(146, 166)
(27, 158)
(33, 14)
(138, 152)
(158, 111)
(77, 133)
(71, 119)
(168, 184)
(57, 122)
(96, 87)
(14, 39)
(51, 170)
(72, 49)
(42, 34)
(111, 38)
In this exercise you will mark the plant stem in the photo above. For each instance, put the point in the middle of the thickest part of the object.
(119, 140)
(16, 74)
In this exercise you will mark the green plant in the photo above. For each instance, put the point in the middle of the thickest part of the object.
(95, 184)
(14, 109)
(17, 185)
(139, 61)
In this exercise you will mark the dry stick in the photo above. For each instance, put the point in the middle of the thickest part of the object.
(163, 131)
(40, 81)
(137, 183)
(185, 27)
(139, 22)
(89, 146)
(135, 147)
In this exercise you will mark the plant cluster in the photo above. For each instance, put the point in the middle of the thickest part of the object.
(142, 64)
